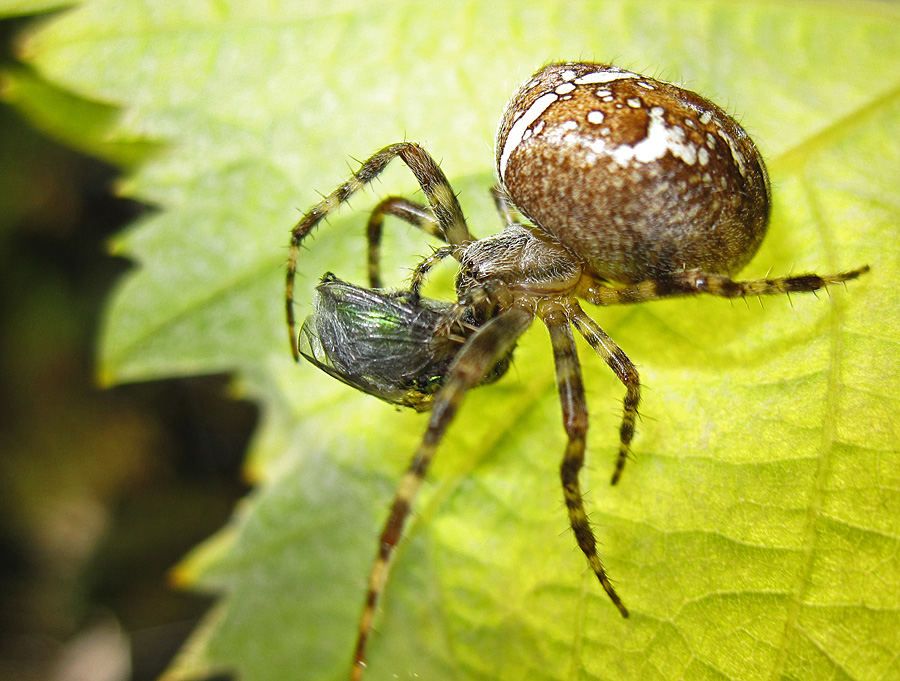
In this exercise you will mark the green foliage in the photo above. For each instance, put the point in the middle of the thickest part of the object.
(14, 8)
(756, 535)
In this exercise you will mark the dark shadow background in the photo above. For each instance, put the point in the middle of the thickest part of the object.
(101, 491)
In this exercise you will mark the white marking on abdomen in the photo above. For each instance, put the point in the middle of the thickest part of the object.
(517, 132)
(604, 77)
(660, 139)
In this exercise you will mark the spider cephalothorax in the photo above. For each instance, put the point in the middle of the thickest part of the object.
(633, 190)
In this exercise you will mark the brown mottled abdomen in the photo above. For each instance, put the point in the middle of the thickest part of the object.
(635, 177)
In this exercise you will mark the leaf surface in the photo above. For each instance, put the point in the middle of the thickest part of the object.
(756, 535)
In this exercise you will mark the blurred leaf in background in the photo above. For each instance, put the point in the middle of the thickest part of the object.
(756, 534)
(100, 490)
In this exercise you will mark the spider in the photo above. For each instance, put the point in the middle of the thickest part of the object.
(615, 188)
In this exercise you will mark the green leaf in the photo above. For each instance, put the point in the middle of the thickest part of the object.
(15, 8)
(80, 123)
(756, 535)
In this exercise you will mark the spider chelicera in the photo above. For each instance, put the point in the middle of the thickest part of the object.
(631, 190)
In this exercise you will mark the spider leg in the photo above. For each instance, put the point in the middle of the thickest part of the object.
(475, 360)
(503, 205)
(442, 200)
(625, 371)
(575, 421)
(693, 282)
(409, 211)
(424, 267)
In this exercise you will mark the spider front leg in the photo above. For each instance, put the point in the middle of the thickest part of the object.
(410, 212)
(475, 360)
(575, 420)
(419, 216)
(693, 282)
(434, 184)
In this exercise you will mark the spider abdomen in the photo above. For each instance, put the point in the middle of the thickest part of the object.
(635, 177)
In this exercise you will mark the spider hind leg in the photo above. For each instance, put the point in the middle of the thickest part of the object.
(694, 282)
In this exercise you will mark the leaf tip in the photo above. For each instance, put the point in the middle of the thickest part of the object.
(183, 576)
(106, 377)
